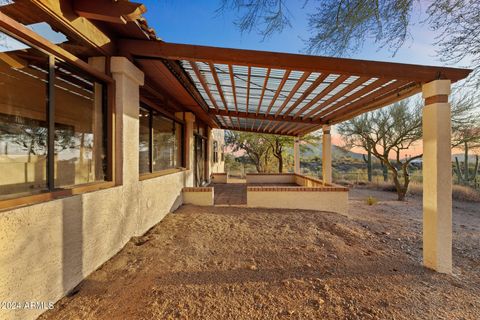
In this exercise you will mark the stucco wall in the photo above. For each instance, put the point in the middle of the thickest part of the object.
(219, 177)
(333, 201)
(271, 178)
(200, 196)
(46, 249)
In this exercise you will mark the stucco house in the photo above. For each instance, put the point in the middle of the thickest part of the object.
(105, 129)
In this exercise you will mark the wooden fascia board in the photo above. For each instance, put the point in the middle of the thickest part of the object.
(363, 68)
(87, 32)
(109, 11)
(253, 115)
(32, 38)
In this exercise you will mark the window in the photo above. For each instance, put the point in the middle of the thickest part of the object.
(160, 144)
(80, 144)
(144, 142)
(77, 153)
(215, 151)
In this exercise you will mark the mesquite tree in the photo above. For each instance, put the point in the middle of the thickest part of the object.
(261, 147)
(394, 129)
(255, 146)
(341, 27)
(389, 132)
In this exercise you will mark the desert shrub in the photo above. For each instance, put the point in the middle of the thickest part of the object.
(460, 193)
(463, 193)
(372, 200)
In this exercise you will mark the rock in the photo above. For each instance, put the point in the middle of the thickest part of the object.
(253, 267)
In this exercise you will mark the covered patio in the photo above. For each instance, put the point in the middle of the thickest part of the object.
(291, 94)
(147, 128)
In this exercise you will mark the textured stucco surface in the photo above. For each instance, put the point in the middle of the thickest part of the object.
(199, 198)
(219, 177)
(48, 248)
(437, 180)
(270, 178)
(333, 201)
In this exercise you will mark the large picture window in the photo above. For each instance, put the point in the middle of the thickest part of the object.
(46, 105)
(160, 144)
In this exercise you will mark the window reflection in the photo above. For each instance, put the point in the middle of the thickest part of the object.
(23, 118)
(79, 136)
(144, 142)
(160, 142)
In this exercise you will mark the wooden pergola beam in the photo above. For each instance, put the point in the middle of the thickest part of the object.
(352, 97)
(388, 90)
(33, 38)
(403, 93)
(370, 103)
(217, 83)
(234, 90)
(249, 130)
(274, 125)
(109, 11)
(252, 115)
(337, 96)
(306, 93)
(204, 83)
(322, 94)
(264, 87)
(279, 89)
(251, 58)
(248, 87)
(299, 83)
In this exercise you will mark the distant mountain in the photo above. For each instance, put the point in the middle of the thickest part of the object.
(337, 152)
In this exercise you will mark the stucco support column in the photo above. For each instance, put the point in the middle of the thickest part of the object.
(189, 148)
(296, 155)
(326, 155)
(437, 177)
(128, 79)
(209, 152)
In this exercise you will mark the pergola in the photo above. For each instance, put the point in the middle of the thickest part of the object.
(291, 94)
(282, 93)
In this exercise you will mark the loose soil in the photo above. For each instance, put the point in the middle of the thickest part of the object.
(240, 263)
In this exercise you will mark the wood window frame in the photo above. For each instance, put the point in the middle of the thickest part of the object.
(154, 174)
(54, 53)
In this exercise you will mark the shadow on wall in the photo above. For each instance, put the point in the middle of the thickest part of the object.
(72, 246)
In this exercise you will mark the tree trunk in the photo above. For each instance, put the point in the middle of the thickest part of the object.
(369, 165)
(280, 164)
(401, 191)
(385, 171)
(466, 174)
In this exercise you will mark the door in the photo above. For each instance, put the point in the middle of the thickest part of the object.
(200, 158)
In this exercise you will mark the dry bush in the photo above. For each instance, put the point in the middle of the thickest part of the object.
(460, 193)
(372, 200)
(463, 193)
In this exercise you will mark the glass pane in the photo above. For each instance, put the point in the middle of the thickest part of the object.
(144, 143)
(23, 119)
(79, 128)
(164, 153)
(179, 144)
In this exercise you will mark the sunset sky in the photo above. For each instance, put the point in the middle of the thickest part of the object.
(196, 22)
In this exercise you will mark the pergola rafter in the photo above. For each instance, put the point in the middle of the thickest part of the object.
(287, 93)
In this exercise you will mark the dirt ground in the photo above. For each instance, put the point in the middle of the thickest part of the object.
(240, 263)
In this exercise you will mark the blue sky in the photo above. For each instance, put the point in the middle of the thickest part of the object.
(195, 22)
